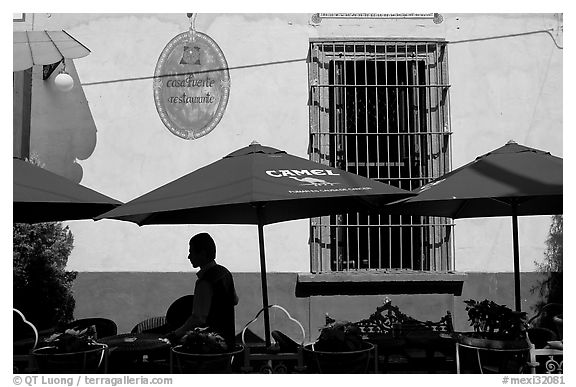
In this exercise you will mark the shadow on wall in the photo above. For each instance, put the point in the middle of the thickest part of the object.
(128, 298)
(62, 129)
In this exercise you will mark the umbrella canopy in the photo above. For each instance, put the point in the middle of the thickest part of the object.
(257, 185)
(42, 196)
(513, 180)
(44, 48)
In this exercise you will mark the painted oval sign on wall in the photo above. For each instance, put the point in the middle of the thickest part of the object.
(191, 85)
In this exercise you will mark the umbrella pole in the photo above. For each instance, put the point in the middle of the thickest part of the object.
(263, 278)
(516, 257)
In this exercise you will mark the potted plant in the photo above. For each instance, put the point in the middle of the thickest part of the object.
(203, 351)
(499, 343)
(71, 351)
(495, 326)
(339, 349)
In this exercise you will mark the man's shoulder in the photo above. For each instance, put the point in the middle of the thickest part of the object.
(216, 271)
(222, 268)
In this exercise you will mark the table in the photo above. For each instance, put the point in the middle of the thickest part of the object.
(137, 352)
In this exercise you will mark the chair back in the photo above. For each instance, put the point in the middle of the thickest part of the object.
(547, 317)
(179, 311)
(24, 329)
(278, 334)
(153, 324)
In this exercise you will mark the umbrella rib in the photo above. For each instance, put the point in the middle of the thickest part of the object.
(460, 208)
(29, 47)
(70, 36)
(510, 202)
(56, 46)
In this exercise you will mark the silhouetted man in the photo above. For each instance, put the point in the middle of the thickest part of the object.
(214, 294)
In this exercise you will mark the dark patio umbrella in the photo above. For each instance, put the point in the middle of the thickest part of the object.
(513, 180)
(42, 196)
(257, 185)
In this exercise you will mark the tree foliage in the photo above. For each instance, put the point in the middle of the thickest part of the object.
(551, 288)
(554, 247)
(42, 285)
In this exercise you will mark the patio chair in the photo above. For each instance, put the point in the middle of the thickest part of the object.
(25, 339)
(545, 338)
(545, 318)
(279, 357)
(176, 315)
(179, 311)
(156, 324)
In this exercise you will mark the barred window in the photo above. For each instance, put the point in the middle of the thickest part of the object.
(380, 109)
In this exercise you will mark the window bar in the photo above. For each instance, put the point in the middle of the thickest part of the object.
(446, 128)
(318, 268)
(337, 160)
(417, 125)
(439, 93)
(440, 170)
(453, 247)
(417, 143)
(433, 144)
(429, 158)
(431, 223)
(439, 116)
(318, 144)
(331, 106)
(393, 134)
(434, 246)
(398, 158)
(343, 80)
(388, 152)
(316, 109)
(324, 103)
(336, 230)
(444, 92)
(321, 121)
(409, 77)
(319, 236)
(364, 60)
(339, 96)
(318, 156)
(367, 138)
(420, 142)
(335, 124)
(331, 79)
(356, 111)
(377, 151)
(452, 229)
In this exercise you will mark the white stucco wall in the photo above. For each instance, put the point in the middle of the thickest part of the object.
(501, 89)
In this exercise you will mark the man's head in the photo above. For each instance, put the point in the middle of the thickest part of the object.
(202, 249)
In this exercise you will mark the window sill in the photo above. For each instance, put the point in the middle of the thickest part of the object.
(376, 282)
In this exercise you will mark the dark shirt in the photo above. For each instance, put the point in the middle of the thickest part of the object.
(220, 316)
